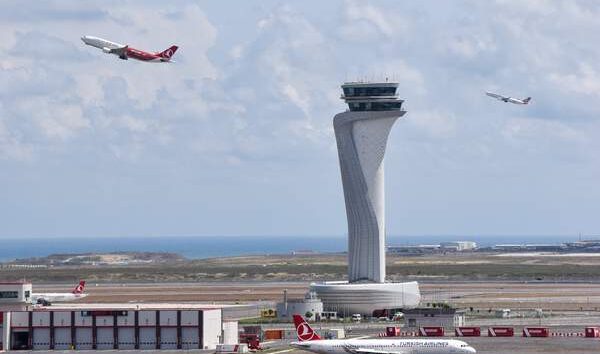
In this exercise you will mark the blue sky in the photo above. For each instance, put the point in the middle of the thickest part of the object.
(236, 138)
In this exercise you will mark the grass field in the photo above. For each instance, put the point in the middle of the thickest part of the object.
(326, 267)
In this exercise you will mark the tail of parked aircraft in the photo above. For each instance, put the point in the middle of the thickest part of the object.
(526, 101)
(79, 288)
(304, 330)
(168, 53)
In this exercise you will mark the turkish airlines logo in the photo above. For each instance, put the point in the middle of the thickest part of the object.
(168, 53)
(79, 289)
(304, 332)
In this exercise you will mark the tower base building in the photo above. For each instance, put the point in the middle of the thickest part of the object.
(364, 298)
(361, 134)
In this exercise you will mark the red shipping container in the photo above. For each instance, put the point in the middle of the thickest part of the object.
(431, 332)
(501, 332)
(392, 331)
(592, 332)
(467, 331)
(536, 332)
(273, 334)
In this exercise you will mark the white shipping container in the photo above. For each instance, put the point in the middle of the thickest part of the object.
(231, 332)
(212, 328)
(336, 333)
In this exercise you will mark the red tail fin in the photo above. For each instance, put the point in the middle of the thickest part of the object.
(79, 288)
(304, 330)
(168, 53)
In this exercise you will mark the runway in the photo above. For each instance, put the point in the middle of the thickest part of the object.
(562, 296)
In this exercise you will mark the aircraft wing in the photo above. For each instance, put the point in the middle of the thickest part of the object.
(120, 51)
(495, 95)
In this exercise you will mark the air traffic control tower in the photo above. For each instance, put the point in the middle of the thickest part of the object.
(361, 133)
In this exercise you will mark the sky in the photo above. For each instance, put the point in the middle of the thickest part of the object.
(235, 137)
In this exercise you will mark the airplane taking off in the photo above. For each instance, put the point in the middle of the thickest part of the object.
(48, 298)
(310, 341)
(125, 52)
(508, 99)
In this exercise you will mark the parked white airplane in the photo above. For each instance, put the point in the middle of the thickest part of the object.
(508, 99)
(310, 341)
(48, 298)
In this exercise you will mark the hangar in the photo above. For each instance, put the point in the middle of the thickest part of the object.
(115, 326)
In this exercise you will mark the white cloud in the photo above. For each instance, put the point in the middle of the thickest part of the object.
(11, 146)
(526, 129)
(585, 81)
(363, 20)
(59, 121)
(237, 52)
(410, 79)
(301, 101)
(534, 7)
(469, 46)
(256, 96)
(434, 124)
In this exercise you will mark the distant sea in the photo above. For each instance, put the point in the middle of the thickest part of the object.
(220, 246)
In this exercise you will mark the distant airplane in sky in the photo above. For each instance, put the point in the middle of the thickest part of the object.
(48, 298)
(125, 52)
(508, 99)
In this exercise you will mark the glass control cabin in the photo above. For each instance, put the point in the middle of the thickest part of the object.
(371, 96)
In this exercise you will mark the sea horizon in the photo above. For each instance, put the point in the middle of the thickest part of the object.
(199, 247)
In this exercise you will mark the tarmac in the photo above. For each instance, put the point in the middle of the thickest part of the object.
(568, 307)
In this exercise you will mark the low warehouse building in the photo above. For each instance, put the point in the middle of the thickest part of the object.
(442, 317)
(114, 326)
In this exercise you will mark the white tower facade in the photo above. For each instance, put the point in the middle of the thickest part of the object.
(362, 133)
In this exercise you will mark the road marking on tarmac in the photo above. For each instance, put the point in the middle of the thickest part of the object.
(363, 337)
(282, 351)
